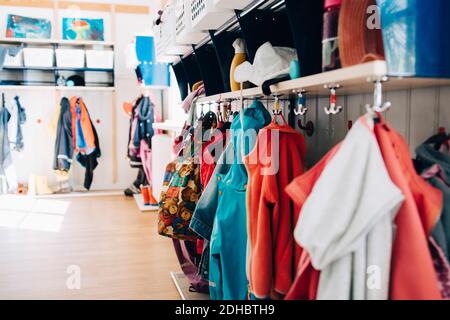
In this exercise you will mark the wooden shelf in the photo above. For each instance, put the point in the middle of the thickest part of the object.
(168, 126)
(352, 80)
(55, 41)
(57, 69)
(39, 88)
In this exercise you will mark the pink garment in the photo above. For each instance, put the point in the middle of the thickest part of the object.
(144, 151)
(146, 157)
(188, 101)
(442, 268)
(133, 150)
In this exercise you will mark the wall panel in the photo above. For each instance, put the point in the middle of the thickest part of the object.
(415, 114)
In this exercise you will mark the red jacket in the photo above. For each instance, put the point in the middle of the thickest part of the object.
(413, 276)
(307, 278)
(272, 216)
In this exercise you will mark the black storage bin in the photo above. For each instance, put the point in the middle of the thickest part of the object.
(191, 69)
(209, 69)
(306, 20)
(183, 84)
(260, 26)
(223, 44)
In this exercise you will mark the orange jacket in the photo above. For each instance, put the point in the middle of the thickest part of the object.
(272, 216)
(413, 276)
(86, 124)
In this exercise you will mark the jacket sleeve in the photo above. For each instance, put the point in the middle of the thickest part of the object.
(261, 265)
(86, 125)
(285, 215)
(205, 211)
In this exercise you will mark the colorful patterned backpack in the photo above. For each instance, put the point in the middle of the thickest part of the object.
(181, 191)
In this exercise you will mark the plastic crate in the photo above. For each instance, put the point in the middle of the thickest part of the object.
(205, 15)
(100, 59)
(16, 61)
(168, 33)
(38, 57)
(160, 48)
(70, 58)
(185, 34)
(233, 4)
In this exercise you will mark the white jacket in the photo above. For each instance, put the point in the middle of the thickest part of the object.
(346, 224)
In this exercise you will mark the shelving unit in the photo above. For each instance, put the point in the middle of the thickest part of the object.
(55, 44)
(57, 69)
(352, 80)
(168, 126)
(40, 88)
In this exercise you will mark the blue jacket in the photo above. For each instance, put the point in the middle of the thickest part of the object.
(221, 216)
(5, 150)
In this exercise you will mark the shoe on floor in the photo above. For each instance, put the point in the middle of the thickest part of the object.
(131, 191)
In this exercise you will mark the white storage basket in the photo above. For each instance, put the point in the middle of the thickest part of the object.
(16, 61)
(160, 49)
(38, 57)
(233, 4)
(70, 58)
(168, 33)
(206, 16)
(185, 34)
(100, 59)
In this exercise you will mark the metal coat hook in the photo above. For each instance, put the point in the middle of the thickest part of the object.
(333, 108)
(302, 109)
(378, 105)
(276, 107)
(308, 128)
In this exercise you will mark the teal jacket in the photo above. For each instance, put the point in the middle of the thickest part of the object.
(220, 215)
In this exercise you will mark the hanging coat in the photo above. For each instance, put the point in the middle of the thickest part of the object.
(6, 163)
(64, 148)
(90, 161)
(141, 132)
(146, 118)
(21, 119)
(346, 224)
(221, 214)
(275, 161)
(307, 278)
(435, 167)
(82, 131)
(133, 153)
(413, 274)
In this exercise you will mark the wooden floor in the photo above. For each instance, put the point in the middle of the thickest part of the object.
(117, 248)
